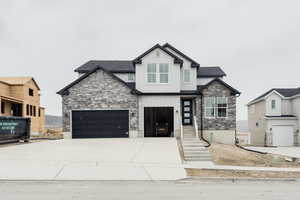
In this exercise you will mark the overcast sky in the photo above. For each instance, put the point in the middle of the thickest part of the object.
(257, 43)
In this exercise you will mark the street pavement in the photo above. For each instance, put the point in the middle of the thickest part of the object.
(149, 190)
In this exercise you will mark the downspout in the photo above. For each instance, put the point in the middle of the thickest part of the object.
(201, 121)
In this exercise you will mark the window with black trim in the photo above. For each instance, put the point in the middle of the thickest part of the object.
(2, 107)
(30, 92)
(30, 110)
(216, 107)
(27, 110)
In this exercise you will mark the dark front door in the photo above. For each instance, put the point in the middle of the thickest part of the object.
(158, 121)
(187, 112)
(100, 124)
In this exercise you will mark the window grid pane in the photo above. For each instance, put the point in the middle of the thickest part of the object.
(186, 75)
(164, 73)
(151, 70)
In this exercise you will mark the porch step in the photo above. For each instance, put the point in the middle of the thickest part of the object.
(193, 148)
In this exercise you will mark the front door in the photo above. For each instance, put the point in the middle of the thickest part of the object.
(187, 112)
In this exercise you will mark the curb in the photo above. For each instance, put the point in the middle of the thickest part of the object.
(234, 180)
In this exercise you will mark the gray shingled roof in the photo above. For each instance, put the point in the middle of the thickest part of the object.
(286, 92)
(127, 66)
(210, 72)
(116, 66)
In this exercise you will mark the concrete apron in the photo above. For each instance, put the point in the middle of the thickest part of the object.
(111, 159)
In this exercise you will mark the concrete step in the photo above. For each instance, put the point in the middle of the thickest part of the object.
(201, 149)
(198, 160)
(197, 153)
(192, 145)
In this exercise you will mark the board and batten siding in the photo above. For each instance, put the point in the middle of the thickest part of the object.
(157, 56)
(286, 107)
(192, 85)
(277, 110)
(160, 101)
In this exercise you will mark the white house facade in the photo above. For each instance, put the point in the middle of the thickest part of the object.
(153, 95)
(274, 118)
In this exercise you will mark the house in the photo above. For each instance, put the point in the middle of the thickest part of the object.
(274, 118)
(154, 94)
(20, 97)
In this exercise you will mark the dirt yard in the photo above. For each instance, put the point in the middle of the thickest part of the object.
(240, 174)
(231, 155)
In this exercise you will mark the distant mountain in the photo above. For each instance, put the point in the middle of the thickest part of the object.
(242, 126)
(53, 121)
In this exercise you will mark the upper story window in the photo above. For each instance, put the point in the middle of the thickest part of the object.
(130, 77)
(30, 92)
(273, 104)
(160, 75)
(151, 73)
(216, 107)
(164, 73)
(187, 76)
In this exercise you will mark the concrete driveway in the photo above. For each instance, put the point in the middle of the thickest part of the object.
(93, 159)
(286, 151)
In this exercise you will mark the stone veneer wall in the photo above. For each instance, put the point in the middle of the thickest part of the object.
(216, 89)
(100, 91)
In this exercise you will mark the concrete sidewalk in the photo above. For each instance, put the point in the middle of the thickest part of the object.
(211, 165)
(93, 159)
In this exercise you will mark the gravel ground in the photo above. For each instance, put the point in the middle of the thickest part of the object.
(240, 174)
(231, 155)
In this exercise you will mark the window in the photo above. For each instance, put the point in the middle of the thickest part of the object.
(151, 73)
(209, 107)
(2, 107)
(27, 109)
(215, 107)
(34, 111)
(164, 73)
(30, 92)
(273, 104)
(221, 107)
(130, 77)
(39, 112)
(30, 110)
(186, 76)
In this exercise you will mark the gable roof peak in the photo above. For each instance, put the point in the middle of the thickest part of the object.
(193, 62)
(138, 60)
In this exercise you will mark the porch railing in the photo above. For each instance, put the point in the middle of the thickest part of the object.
(196, 127)
(181, 130)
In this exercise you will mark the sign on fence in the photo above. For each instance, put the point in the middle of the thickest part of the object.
(14, 128)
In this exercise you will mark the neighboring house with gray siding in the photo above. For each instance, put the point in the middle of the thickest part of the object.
(152, 95)
(274, 118)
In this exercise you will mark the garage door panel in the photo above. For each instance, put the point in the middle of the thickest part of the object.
(100, 124)
(283, 135)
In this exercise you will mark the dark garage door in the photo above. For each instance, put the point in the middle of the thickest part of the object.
(100, 124)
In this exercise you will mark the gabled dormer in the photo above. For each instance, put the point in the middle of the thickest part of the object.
(158, 71)
(188, 72)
